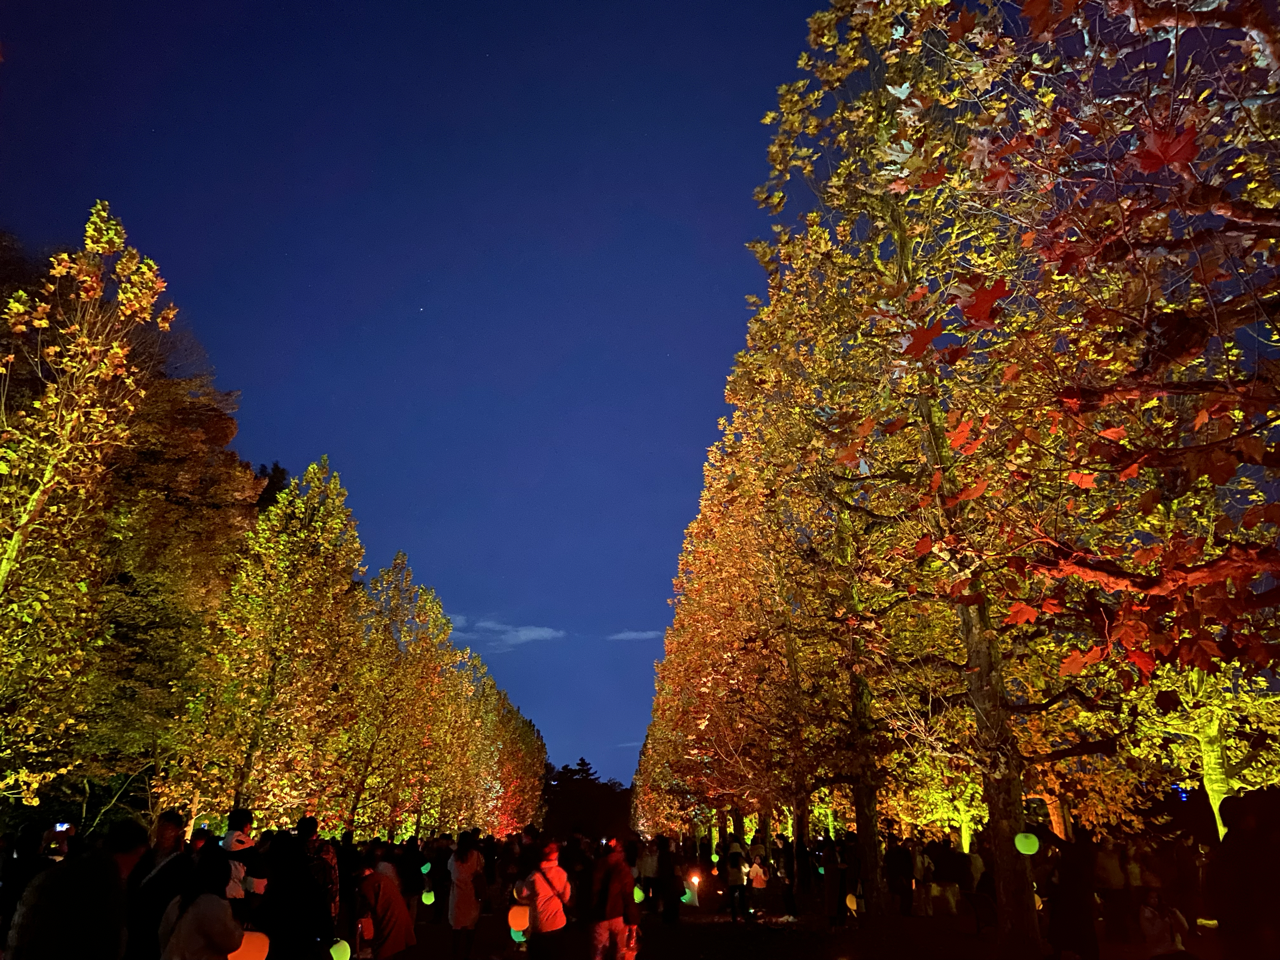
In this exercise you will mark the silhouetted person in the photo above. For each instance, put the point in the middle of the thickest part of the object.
(198, 924)
(77, 908)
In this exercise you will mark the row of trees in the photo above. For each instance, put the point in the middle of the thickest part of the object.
(995, 516)
(178, 630)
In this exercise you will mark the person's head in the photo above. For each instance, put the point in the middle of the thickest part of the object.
(466, 843)
(127, 841)
(211, 875)
(760, 859)
(1152, 898)
(171, 828)
(241, 820)
(308, 827)
(201, 836)
(550, 852)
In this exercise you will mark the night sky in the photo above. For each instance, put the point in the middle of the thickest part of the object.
(489, 257)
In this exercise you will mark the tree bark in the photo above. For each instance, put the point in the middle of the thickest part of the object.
(1213, 766)
(1017, 927)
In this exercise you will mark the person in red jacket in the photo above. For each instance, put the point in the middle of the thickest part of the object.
(611, 894)
(380, 893)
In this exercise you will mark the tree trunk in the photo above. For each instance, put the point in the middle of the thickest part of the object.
(1213, 766)
(739, 825)
(867, 816)
(1017, 927)
(764, 826)
(722, 827)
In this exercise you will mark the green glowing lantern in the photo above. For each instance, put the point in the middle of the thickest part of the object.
(822, 871)
(426, 867)
(688, 895)
(517, 935)
(638, 895)
(715, 858)
(1027, 843)
(341, 950)
(428, 897)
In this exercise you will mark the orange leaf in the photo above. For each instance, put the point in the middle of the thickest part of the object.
(960, 435)
(924, 545)
(1022, 613)
(1011, 373)
(1113, 433)
(1085, 481)
(972, 493)
(1131, 471)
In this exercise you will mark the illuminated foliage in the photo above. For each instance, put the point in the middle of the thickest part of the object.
(1017, 355)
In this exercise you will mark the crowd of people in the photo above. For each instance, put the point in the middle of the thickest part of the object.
(176, 893)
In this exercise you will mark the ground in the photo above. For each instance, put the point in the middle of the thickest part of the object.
(703, 935)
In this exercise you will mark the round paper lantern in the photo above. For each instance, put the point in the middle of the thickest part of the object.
(715, 858)
(714, 871)
(517, 935)
(638, 895)
(1027, 843)
(428, 897)
(254, 947)
(341, 950)
(852, 903)
(518, 917)
(426, 867)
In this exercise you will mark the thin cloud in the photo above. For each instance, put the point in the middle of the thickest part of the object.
(629, 743)
(635, 635)
(500, 637)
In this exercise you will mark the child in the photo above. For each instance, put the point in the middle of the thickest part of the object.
(758, 874)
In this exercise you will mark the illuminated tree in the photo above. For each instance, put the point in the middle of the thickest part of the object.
(68, 394)
(276, 675)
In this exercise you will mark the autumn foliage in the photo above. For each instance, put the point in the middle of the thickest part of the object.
(172, 634)
(1005, 436)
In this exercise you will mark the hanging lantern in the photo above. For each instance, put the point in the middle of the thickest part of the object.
(426, 867)
(428, 897)
(1027, 843)
(638, 895)
(341, 950)
(852, 903)
(517, 935)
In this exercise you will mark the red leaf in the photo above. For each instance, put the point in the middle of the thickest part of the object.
(936, 481)
(1131, 471)
(917, 294)
(1011, 373)
(972, 493)
(934, 177)
(1113, 433)
(978, 310)
(1022, 613)
(924, 545)
(1050, 606)
(921, 339)
(1084, 481)
(1143, 661)
(1161, 148)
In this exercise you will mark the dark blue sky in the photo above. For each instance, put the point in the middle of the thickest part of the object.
(488, 256)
